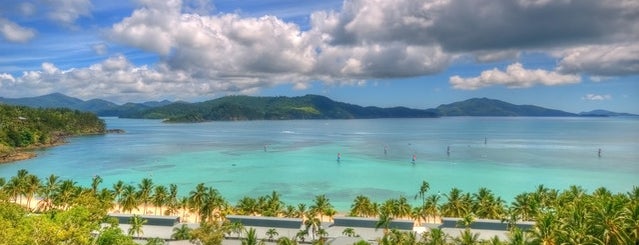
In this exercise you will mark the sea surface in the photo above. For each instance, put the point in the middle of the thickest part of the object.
(299, 158)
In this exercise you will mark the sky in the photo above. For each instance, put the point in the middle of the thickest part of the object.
(572, 55)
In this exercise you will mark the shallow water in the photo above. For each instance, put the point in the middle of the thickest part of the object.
(299, 158)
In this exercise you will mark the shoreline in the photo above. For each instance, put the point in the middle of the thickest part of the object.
(26, 153)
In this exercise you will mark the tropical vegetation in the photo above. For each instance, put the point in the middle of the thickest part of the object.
(50, 210)
(23, 127)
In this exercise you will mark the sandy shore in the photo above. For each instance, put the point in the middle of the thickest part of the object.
(192, 217)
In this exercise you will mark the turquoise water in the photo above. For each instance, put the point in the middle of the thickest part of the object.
(507, 155)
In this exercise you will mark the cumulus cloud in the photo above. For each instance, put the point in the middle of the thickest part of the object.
(472, 25)
(267, 51)
(202, 53)
(602, 60)
(515, 76)
(67, 12)
(115, 78)
(13, 32)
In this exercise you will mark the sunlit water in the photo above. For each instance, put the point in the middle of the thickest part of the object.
(299, 158)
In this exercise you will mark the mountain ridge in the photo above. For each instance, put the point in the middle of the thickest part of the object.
(242, 107)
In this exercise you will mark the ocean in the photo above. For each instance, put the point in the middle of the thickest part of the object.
(299, 158)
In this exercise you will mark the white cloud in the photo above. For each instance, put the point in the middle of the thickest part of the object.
(13, 32)
(202, 54)
(100, 48)
(67, 12)
(515, 76)
(601, 60)
(596, 97)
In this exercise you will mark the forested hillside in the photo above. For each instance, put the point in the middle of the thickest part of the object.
(275, 108)
(495, 108)
(23, 127)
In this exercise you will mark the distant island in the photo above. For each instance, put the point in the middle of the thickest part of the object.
(239, 107)
(23, 129)
(234, 108)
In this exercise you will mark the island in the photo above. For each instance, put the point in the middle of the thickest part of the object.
(24, 129)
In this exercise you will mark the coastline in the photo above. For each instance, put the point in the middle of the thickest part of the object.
(17, 156)
(26, 153)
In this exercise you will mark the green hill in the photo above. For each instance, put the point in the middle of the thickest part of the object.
(496, 108)
(232, 108)
(97, 106)
(23, 127)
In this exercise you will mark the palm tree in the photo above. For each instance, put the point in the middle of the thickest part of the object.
(136, 225)
(313, 224)
(430, 207)
(95, 182)
(301, 235)
(289, 211)
(486, 205)
(172, 200)
(402, 207)
(466, 221)
(251, 237)
(21, 178)
(384, 221)
(524, 207)
(467, 237)
(273, 205)
(118, 187)
(106, 198)
(608, 212)
(322, 235)
(128, 199)
(362, 207)
(286, 241)
(435, 236)
(631, 213)
(31, 187)
(494, 241)
(301, 211)
(159, 198)
(518, 237)
(182, 232)
(271, 233)
(196, 197)
(12, 188)
(184, 205)
(236, 227)
(212, 201)
(66, 194)
(422, 191)
(144, 194)
(456, 206)
(543, 232)
(349, 232)
(321, 205)
(47, 192)
(155, 241)
(247, 206)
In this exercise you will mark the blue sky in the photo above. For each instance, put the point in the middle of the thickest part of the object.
(569, 55)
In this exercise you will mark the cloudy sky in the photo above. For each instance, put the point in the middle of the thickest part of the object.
(574, 55)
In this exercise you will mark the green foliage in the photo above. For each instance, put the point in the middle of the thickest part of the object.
(113, 235)
(234, 108)
(74, 215)
(489, 107)
(25, 127)
(209, 233)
